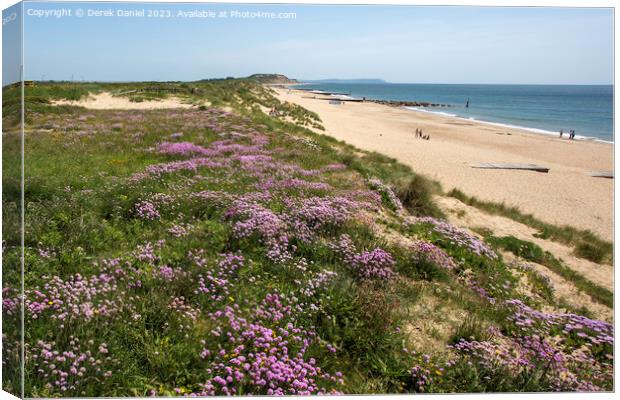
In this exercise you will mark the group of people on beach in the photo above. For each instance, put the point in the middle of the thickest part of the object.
(418, 134)
(571, 134)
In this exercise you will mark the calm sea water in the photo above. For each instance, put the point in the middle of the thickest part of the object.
(541, 108)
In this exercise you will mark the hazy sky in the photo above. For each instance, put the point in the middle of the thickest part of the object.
(395, 43)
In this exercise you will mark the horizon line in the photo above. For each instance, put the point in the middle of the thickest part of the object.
(315, 81)
(326, 80)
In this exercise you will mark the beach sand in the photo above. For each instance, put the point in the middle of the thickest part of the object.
(566, 195)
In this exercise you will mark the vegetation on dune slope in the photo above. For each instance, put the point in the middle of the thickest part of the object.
(587, 245)
(240, 94)
(201, 251)
(532, 252)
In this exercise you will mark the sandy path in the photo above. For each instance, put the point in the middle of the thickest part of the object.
(565, 195)
(105, 101)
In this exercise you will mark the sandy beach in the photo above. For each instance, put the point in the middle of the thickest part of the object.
(565, 195)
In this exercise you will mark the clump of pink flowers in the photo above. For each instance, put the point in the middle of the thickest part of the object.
(374, 264)
(387, 194)
(65, 371)
(146, 210)
(181, 148)
(573, 369)
(457, 236)
(180, 230)
(425, 251)
(215, 282)
(264, 353)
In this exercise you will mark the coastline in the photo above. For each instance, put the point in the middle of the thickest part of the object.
(491, 107)
(566, 195)
(509, 126)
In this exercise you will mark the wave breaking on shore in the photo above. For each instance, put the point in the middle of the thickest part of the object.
(511, 126)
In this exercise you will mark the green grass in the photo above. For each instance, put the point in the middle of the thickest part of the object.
(541, 286)
(420, 269)
(472, 328)
(523, 248)
(587, 244)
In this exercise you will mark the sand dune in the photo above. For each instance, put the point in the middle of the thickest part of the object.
(565, 195)
(105, 101)
(470, 217)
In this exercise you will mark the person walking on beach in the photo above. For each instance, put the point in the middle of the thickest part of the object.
(561, 133)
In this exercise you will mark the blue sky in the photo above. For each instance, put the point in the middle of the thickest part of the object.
(395, 43)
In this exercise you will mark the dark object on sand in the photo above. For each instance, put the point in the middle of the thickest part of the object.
(603, 174)
(527, 167)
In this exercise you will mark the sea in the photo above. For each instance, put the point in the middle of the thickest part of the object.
(544, 109)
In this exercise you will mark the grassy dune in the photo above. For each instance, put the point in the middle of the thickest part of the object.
(204, 251)
(586, 244)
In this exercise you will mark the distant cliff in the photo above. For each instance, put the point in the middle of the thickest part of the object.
(271, 78)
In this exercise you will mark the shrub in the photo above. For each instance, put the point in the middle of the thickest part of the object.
(416, 193)
(590, 251)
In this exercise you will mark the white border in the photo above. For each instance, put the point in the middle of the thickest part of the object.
(490, 3)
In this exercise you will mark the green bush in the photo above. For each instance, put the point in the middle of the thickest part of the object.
(416, 194)
(591, 251)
